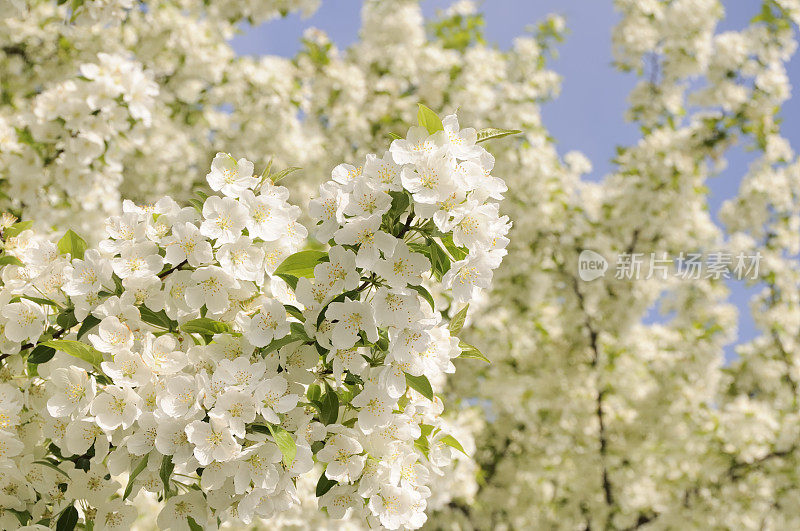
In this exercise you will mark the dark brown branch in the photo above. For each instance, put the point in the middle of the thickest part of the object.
(171, 270)
(407, 225)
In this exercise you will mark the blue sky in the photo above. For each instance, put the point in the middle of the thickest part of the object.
(588, 115)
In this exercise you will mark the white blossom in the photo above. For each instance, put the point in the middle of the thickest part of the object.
(229, 176)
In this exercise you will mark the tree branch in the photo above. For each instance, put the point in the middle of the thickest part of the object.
(171, 270)
(407, 225)
(602, 435)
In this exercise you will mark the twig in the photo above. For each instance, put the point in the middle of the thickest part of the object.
(171, 270)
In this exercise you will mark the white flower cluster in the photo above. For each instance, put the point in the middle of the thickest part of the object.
(110, 12)
(69, 143)
(111, 99)
(314, 110)
(199, 351)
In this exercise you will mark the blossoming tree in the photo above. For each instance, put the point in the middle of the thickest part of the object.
(599, 417)
(202, 356)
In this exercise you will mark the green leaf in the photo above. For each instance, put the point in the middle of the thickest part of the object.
(299, 331)
(440, 262)
(136, 471)
(66, 319)
(422, 441)
(458, 253)
(284, 442)
(167, 466)
(118, 287)
(24, 135)
(90, 322)
(313, 392)
(383, 342)
(16, 228)
(451, 441)
(425, 430)
(68, 519)
(422, 444)
(41, 354)
(279, 343)
(267, 169)
(301, 264)
(457, 322)
(23, 517)
(197, 204)
(330, 406)
(72, 244)
(76, 5)
(259, 428)
(394, 136)
(324, 485)
(429, 119)
(77, 349)
(283, 173)
(289, 279)
(295, 312)
(400, 202)
(353, 379)
(205, 326)
(402, 402)
(54, 467)
(470, 352)
(37, 300)
(421, 385)
(10, 260)
(159, 319)
(492, 132)
(193, 526)
(425, 295)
